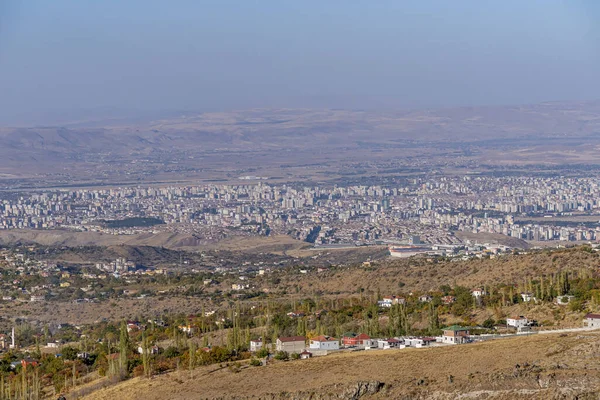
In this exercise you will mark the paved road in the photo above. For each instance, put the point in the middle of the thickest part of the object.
(566, 330)
(543, 332)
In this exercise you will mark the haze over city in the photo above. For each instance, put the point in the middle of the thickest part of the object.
(69, 60)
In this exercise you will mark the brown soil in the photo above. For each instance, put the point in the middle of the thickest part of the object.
(534, 367)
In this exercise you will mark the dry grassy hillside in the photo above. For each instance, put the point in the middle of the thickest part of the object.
(274, 244)
(535, 367)
(399, 276)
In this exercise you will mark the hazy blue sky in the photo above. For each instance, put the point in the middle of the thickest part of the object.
(62, 58)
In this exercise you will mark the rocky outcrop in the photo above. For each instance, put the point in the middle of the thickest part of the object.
(361, 389)
(356, 391)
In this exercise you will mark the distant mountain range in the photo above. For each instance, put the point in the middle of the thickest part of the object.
(293, 129)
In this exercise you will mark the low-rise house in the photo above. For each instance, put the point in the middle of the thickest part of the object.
(305, 355)
(418, 342)
(151, 350)
(448, 299)
(291, 344)
(133, 326)
(389, 301)
(296, 314)
(352, 339)
(425, 298)
(389, 343)
(564, 300)
(28, 362)
(187, 329)
(517, 322)
(524, 329)
(455, 334)
(592, 320)
(256, 345)
(527, 297)
(478, 292)
(324, 343)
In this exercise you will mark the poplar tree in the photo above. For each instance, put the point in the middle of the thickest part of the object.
(123, 349)
(145, 357)
(434, 321)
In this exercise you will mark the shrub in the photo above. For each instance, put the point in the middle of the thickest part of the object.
(295, 356)
(262, 353)
(282, 355)
(69, 353)
(235, 367)
(255, 362)
(576, 305)
(138, 371)
(488, 323)
(172, 352)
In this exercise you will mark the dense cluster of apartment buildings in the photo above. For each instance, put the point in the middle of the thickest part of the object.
(521, 207)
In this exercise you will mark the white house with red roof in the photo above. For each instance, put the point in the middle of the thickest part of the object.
(592, 320)
(324, 343)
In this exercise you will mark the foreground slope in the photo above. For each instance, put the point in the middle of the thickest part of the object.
(551, 366)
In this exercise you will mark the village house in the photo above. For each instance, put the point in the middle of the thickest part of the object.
(291, 344)
(425, 298)
(305, 355)
(324, 343)
(448, 299)
(455, 334)
(389, 343)
(478, 293)
(133, 326)
(592, 320)
(151, 350)
(296, 314)
(186, 329)
(418, 342)
(517, 322)
(564, 300)
(352, 339)
(389, 301)
(527, 297)
(28, 361)
(256, 345)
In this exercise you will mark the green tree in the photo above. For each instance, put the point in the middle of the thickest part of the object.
(124, 350)
(69, 353)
